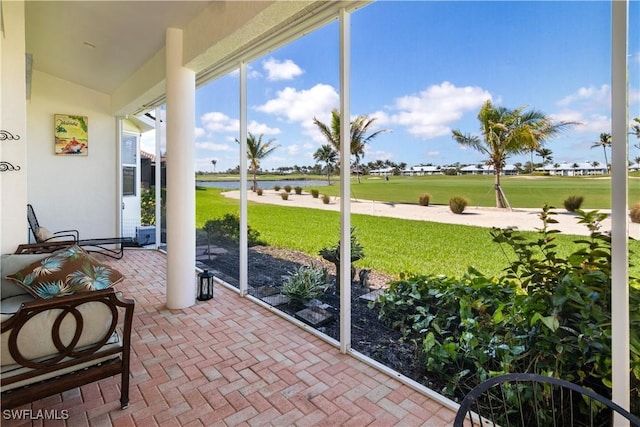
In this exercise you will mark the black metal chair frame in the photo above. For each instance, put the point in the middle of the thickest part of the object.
(471, 412)
(111, 246)
(34, 225)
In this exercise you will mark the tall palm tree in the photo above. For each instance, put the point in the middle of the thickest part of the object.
(359, 128)
(545, 154)
(635, 129)
(604, 142)
(256, 151)
(328, 155)
(507, 132)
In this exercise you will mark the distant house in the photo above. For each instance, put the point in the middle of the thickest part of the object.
(148, 170)
(382, 171)
(574, 169)
(422, 170)
(487, 170)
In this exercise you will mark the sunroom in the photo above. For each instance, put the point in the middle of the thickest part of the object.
(132, 66)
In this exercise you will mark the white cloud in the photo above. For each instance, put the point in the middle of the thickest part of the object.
(281, 70)
(590, 98)
(589, 106)
(433, 154)
(261, 129)
(373, 155)
(216, 121)
(199, 132)
(213, 146)
(431, 112)
(301, 106)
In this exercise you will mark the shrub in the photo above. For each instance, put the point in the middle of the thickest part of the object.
(304, 284)
(259, 191)
(298, 190)
(315, 193)
(634, 213)
(326, 199)
(547, 314)
(227, 228)
(287, 188)
(276, 187)
(457, 204)
(148, 207)
(424, 199)
(284, 195)
(572, 203)
(332, 254)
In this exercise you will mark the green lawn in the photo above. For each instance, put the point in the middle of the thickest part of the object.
(521, 191)
(391, 245)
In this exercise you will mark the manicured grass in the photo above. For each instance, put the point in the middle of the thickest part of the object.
(391, 245)
(521, 191)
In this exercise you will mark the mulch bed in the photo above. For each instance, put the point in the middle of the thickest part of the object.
(369, 335)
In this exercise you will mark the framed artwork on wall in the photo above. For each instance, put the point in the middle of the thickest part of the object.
(71, 135)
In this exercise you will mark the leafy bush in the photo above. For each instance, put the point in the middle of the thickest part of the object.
(572, 203)
(457, 204)
(259, 191)
(424, 199)
(332, 254)
(315, 193)
(284, 195)
(227, 229)
(548, 315)
(276, 187)
(148, 207)
(634, 213)
(304, 284)
(298, 190)
(287, 188)
(326, 199)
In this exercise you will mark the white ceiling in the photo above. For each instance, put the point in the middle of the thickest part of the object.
(98, 44)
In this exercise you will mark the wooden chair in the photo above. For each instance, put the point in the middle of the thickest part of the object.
(536, 400)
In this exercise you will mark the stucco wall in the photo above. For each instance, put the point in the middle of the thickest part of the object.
(13, 182)
(78, 192)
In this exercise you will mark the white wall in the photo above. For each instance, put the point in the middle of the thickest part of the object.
(13, 184)
(68, 191)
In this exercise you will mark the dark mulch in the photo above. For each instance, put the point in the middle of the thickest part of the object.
(369, 335)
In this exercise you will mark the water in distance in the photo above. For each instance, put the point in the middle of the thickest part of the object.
(266, 185)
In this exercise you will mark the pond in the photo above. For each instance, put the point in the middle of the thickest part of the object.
(267, 185)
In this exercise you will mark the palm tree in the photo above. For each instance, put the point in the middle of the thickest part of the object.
(359, 138)
(546, 155)
(604, 142)
(506, 132)
(328, 155)
(213, 162)
(635, 129)
(256, 151)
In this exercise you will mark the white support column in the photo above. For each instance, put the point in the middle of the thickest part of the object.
(345, 183)
(619, 207)
(244, 245)
(181, 241)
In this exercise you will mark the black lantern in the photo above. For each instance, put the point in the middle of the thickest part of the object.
(205, 291)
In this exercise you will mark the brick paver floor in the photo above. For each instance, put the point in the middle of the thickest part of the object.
(230, 362)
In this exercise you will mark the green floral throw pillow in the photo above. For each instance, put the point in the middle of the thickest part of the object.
(66, 272)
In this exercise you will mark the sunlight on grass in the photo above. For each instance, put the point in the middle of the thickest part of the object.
(391, 245)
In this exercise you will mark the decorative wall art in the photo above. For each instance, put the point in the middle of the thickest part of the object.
(71, 135)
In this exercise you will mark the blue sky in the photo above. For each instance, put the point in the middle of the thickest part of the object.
(423, 68)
